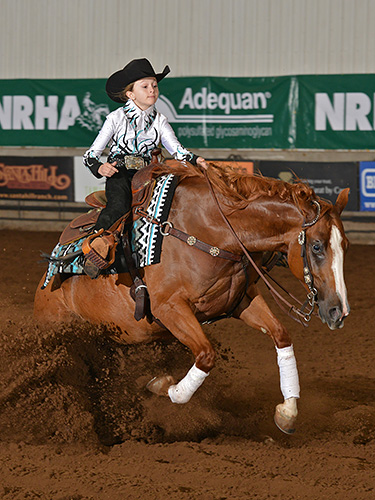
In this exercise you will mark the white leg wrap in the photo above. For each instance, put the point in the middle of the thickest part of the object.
(182, 392)
(289, 382)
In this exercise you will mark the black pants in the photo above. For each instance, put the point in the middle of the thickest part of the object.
(119, 198)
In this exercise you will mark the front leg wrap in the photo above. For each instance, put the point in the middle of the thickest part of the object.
(289, 382)
(286, 412)
(183, 391)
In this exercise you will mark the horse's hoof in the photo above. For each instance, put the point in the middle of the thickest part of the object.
(284, 422)
(160, 385)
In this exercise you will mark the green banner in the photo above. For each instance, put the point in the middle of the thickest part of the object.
(336, 112)
(230, 112)
(291, 112)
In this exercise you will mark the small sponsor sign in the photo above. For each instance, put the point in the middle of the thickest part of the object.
(242, 167)
(47, 179)
(367, 185)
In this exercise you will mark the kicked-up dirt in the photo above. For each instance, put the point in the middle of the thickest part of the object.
(76, 422)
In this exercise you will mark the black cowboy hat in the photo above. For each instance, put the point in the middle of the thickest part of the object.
(133, 71)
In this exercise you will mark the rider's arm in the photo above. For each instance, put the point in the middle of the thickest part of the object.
(172, 144)
(91, 159)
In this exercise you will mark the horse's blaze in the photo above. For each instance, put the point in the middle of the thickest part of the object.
(338, 268)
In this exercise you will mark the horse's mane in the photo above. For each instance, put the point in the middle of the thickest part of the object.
(239, 189)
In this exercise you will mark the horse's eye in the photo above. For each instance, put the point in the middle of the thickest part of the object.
(316, 248)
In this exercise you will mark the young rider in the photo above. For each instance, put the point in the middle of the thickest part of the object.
(132, 132)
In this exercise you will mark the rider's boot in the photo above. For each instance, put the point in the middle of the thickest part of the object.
(99, 250)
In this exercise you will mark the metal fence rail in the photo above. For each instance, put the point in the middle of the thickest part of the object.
(54, 216)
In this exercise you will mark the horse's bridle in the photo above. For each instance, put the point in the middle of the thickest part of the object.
(308, 277)
(307, 274)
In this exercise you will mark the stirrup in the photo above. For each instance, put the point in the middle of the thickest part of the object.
(94, 262)
(91, 269)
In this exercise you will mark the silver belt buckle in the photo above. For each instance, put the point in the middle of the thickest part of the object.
(134, 162)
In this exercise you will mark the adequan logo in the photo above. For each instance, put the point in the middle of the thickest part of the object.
(229, 104)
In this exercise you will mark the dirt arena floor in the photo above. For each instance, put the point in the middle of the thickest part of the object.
(77, 424)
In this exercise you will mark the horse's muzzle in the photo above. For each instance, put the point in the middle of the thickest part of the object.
(333, 316)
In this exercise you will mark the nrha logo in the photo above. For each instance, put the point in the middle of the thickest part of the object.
(22, 112)
(347, 111)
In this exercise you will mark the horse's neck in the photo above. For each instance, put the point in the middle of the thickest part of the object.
(264, 224)
(267, 225)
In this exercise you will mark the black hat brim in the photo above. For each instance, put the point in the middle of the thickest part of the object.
(124, 77)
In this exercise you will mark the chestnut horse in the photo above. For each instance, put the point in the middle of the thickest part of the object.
(190, 286)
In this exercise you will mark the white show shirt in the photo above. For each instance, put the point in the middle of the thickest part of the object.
(130, 131)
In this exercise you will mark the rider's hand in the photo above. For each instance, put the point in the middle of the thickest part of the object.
(108, 169)
(201, 162)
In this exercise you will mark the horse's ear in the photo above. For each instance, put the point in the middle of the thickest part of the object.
(342, 200)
